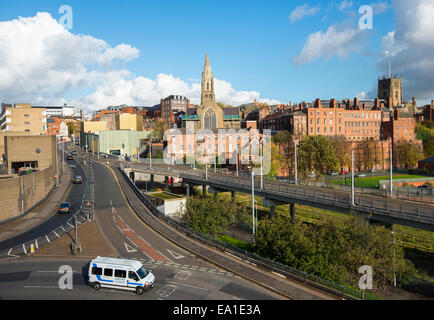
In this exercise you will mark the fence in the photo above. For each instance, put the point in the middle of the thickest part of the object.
(265, 263)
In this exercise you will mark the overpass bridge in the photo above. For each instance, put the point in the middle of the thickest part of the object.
(386, 210)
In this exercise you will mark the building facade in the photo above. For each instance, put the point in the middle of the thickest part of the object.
(22, 117)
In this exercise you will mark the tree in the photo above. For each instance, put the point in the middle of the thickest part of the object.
(407, 154)
(369, 154)
(316, 155)
(343, 151)
(210, 217)
(425, 133)
(160, 127)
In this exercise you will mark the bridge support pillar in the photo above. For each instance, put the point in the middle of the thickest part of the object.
(152, 178)
(187, 186)
(213, 191)
(292, 211)
(204, 192)
(232, 196)
(272, 204)
(166, 182)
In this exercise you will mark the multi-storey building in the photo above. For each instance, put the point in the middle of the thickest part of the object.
(22, 117)
(172, 105)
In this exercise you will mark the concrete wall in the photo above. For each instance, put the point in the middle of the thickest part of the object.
(30, 148)
(19, 194)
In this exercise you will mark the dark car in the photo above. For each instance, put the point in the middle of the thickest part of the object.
(73, 152)
(69, 158)
(77, 180)
(65, 207)
(424, 186)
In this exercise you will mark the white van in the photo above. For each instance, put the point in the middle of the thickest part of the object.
(120, 274)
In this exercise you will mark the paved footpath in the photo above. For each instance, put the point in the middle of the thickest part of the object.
(44, 210)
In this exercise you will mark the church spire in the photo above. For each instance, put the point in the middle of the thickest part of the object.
(207, 82)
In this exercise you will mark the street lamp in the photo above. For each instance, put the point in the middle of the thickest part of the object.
(295, 160)
(394, 264)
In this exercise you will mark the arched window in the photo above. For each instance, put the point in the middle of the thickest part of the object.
(207, 86)
(210, 119)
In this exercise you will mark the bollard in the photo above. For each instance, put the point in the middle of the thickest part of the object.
(32, 248)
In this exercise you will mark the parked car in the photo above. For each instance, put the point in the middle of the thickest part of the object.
(69, 158)
(77, 180)
(362, 175)
(424, 186)
(65, 207)
(73, 152)
(344, 172)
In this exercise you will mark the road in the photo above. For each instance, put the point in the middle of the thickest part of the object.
(179, 274)
(75, 196)
(190, 277)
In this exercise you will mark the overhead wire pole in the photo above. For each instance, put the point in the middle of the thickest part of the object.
(391, 174)
(295, 160)
(253, 203)
(352, 177)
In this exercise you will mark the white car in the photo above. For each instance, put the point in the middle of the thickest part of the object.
(120, 274)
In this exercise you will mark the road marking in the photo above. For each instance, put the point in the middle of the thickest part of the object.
(46, 237)
(175, 254)
(56, 234)
(186, 285)
(129, 248)
(36, 244)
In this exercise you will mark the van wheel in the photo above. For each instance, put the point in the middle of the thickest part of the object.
(96, 286)
(139, 290)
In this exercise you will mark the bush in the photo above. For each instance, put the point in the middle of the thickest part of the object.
(334, 250)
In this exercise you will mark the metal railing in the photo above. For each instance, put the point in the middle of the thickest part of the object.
(386, 207)
(265, 263)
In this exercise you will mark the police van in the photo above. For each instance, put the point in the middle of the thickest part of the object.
(120, 274)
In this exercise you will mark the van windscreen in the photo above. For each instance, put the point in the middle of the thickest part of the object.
(142, 272)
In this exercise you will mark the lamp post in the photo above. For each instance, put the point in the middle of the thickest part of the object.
(260, 159)
(57, 167)
(253, 203)
(295, 162)
(394, 264)
(352, 177)
(391, 173)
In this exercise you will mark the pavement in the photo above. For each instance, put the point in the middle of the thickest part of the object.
(43, 211)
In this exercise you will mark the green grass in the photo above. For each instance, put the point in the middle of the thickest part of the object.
(164, 196)
(372, 182)
(235, 242)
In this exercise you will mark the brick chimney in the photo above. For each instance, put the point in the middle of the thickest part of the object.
(396, 114)
(414, 101)
(377, 104)
(333, 103)
(390, 106)
(356, 103)
(318, 103)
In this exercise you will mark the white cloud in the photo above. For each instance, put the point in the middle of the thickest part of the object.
(410, 47)
(41, 62)
(345, 5)
(379, 7)
(338, 40)
(303, 11)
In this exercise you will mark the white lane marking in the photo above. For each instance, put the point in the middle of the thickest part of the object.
(175, 254)
(24, 249)
(186, 285)
(56, 234)
(129, 248)
(41, 287)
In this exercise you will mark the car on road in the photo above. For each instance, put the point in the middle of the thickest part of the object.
(362, 175)
(73, 152)
(424, 186)
(77, 180)
(344, 172)
(118, 273)
(65, 207)
(69, 158)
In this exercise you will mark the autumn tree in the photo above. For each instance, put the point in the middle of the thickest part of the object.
(316, 155)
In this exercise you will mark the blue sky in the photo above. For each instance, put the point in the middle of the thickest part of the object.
(253, 45)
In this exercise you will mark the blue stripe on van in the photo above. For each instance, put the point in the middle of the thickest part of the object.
(99, 277)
